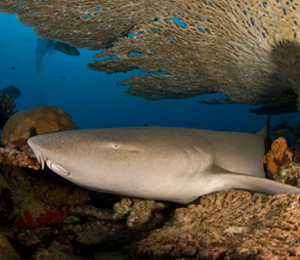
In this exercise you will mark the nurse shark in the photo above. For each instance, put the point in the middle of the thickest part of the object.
(162, 163)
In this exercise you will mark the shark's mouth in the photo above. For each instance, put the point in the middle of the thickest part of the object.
(57, 168)
(40, 157)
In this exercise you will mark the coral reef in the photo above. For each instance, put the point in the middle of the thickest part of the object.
(7, 252)
(229, 225)
(18, 157)
(45, 216)
(30, 200)
(37, 120)
(40, 119)
(248, 50)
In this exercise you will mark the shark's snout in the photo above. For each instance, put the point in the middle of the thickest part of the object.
(34, 144)
(39, 155)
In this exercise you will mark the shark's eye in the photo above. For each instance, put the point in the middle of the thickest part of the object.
(115, 146)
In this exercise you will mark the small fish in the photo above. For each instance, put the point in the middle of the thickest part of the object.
(12, 68)
(63, 78)
(28, 40)
(63, 47)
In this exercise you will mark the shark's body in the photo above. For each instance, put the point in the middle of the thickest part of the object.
(173, 164)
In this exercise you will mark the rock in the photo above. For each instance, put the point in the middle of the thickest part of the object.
(229, 225)
(7, 252)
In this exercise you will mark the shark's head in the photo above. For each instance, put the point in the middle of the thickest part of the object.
(92, 159)
(41, 146)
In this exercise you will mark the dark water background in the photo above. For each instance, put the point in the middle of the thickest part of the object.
(92, 99)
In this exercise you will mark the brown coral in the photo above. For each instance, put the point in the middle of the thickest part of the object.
(40, 119)
(229, 225)
(248, 50)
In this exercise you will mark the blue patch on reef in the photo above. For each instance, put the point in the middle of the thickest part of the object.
(178, 22)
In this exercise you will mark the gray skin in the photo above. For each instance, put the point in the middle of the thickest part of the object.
(172, 164)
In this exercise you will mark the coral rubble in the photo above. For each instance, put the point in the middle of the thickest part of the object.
(40, 119)
(248, 50)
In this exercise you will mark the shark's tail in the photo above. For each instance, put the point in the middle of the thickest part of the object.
(256, 184)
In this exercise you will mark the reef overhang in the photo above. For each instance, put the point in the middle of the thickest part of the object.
(247, 50)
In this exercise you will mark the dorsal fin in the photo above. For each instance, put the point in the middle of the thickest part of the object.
(264, 132)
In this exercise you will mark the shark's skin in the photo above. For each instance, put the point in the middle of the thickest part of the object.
(172, 164)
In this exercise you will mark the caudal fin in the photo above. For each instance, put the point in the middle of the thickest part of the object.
(255, 184)
(50, 43)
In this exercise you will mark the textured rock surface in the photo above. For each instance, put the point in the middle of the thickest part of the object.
(46, 217)
(40, 119)
(229, 225)
(248, 50)
(7, 252)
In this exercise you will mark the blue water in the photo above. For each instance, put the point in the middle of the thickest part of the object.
(92, 99)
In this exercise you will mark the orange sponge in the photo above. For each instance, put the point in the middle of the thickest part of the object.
(279, 155)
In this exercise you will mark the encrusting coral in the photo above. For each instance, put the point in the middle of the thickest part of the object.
(248, 50)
